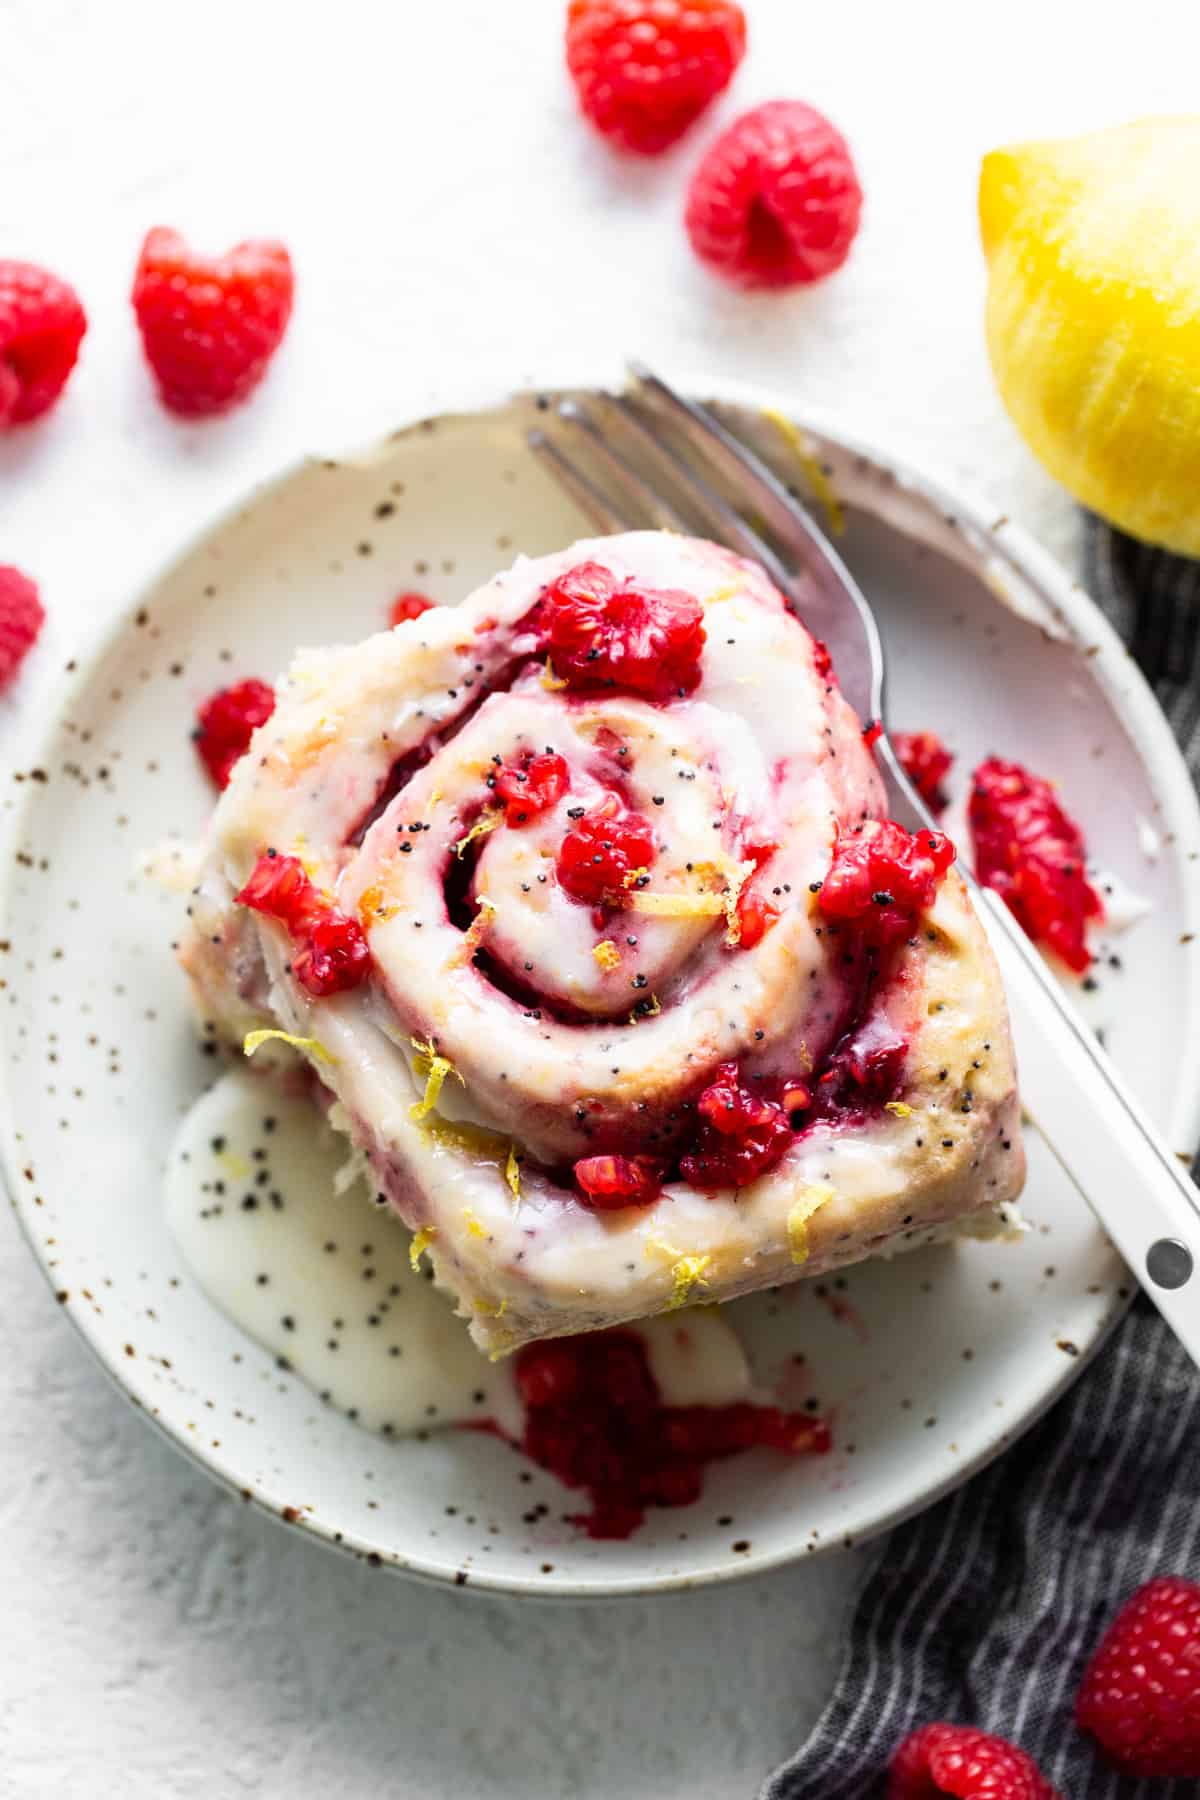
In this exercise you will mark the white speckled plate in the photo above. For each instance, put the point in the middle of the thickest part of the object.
(927, 1366)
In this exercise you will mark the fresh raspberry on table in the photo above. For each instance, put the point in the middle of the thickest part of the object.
(210, 324)
(965, 1763)
(645, 69)
(1140, 1695)
(41, 328)
(409, 606)
(775, 201)
(21, 618)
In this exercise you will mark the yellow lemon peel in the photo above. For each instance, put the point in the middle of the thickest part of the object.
(607, 954)
(460, 1134)
(253, 1039)
(512, 1172)
(489, 1311)
(900, 1107)
(432, 801)
(814, 474)
(634, 876)
(435, 1069)
(474, 1228)
(489, 818)
(816, 1195)
(372, 906)
(687, 1272)
(420, 1244)
(473, 935)
(550, 681)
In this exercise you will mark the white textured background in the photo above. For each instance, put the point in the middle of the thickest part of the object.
(455, 233)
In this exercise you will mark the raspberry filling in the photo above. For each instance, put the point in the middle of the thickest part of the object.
(602, 633)
(594, 1417)
(741, 1135)
(609, 1182)
(1034, 856)
(927, 762)
(881, 878)
(409, 606)
(609, 849)
(331, 953)
(227, 721)
(531, 787)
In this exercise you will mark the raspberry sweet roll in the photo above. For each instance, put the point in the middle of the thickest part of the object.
(581, 901)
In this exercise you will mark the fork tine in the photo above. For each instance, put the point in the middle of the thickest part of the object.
(783, 513)
(627, 477)
(581, 488)
(716, 513)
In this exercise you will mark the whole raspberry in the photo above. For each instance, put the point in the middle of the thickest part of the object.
(41, 328)
(409, 606)
(210, 324)
(227, 721)
(21, 619)
(963, 1762)
(1140, 1694)
(776, 200)
(645, 69)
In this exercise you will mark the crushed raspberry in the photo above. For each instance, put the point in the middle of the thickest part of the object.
(22, 616)
(822, 661)
(41, 328)
(595, 1418)
(602, 633)
(210, 324)
(863, 1072)
(611, 1182)
(881, 878)
(227, 721)
(331, 952)
(755, 916)
(775, 200)
(1140, 1696)
(409, 606)
(927, 762)
(600, 857)
(872, 732)
(531, 788)
(965, 1763)
(645, 69)
(1034, 856)
(741, 1134)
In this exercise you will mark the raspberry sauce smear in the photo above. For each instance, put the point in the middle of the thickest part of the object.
(594, 1417)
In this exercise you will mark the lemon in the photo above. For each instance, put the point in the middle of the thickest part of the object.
(1093, 316)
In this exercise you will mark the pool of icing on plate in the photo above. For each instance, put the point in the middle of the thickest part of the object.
(287, 1239)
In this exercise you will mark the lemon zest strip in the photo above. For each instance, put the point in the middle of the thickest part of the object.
(473, 935)
(435, 1069)
(607, 954)
(489, 818)
(812, 1198)
(253, 1039)
(420, 1244)
(900, 1107)
(814, 474)
(512, 1172)
(474, 1228)
(550, 681)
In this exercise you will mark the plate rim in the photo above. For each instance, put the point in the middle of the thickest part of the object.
(1131, 701)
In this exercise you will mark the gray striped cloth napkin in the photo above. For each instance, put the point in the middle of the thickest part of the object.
(984, 1610)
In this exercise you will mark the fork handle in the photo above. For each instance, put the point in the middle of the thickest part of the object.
(1136, 1185)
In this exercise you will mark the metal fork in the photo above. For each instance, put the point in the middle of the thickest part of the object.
(648, 456)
